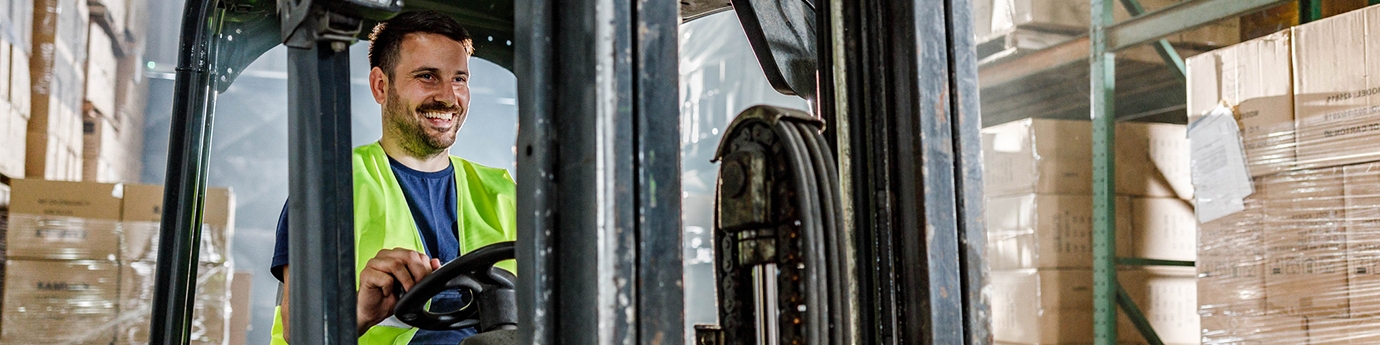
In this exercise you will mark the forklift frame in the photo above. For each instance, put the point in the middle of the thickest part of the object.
(599, 183)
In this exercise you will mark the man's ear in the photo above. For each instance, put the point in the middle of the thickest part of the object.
(378, 84)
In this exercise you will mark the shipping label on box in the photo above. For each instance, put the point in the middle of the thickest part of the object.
(1254, 79)
(1337, 102)
(1164, 228)
(1306, 285)
(1047, 231)
(45, 299)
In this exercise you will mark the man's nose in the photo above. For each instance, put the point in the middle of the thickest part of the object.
(448, 98)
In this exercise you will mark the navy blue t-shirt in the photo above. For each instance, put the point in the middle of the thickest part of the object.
(431, 196)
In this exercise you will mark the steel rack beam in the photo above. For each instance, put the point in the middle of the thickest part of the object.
(1140, 30)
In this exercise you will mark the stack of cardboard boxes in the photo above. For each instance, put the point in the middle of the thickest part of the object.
(82, 253)
(1038, 180)
(72, 92)
(1008, 25)
(16, 38)
(112, 113)
(1298, 264)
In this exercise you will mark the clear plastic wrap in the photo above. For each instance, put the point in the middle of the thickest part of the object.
(1298, 264)
(59, 301)
(210, 314)
(62, 238)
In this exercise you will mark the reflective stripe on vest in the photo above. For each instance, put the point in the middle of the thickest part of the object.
(486, 212)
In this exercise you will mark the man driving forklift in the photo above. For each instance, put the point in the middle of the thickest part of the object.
(415, 205)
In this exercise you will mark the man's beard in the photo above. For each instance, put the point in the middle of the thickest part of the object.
(413, 132)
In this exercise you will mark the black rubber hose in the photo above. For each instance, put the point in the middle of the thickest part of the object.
(831, 212)
(815, 264)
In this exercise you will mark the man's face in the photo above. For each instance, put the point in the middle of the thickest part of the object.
(428, 96)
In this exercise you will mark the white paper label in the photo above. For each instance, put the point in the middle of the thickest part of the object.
(1220, 177)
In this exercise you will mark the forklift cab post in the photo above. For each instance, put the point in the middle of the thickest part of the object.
(598, 181)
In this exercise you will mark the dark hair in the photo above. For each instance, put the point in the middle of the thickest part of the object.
(385, 41)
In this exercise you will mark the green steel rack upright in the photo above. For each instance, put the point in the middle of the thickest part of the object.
(1104, 39)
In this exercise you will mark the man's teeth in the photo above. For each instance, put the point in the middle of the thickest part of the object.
(443, 116)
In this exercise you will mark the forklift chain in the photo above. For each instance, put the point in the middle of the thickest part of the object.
(777, 214)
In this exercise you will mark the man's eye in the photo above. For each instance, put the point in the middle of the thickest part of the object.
(427, 76)
(459, 79)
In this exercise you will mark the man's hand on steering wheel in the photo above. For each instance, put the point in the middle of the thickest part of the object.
(379, 279)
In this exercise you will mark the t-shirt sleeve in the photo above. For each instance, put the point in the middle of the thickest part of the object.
(280, 245)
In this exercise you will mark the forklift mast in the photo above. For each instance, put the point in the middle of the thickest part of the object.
(895, 241)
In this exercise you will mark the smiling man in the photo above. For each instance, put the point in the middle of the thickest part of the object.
(416, 206)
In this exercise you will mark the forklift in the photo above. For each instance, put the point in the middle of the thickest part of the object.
(857, 221)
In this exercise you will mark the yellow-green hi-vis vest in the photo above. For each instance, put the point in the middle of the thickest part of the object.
(486, 211)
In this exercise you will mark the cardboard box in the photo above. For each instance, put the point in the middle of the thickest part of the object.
(1306, 285)
(1152, 159)
(1047, 231)
(64, 220)
(240, 297)
(1363, 237)
(5, 69)
(143, 212)
(13, 128)
(1305, 212)
(1363, 207)
(994, 18)
(1254, 330)
(210, 311)
(106, 156)
(45, 299)
(1231, 285)
(1037, 156)
(1051, 306)
(1164, 228)
(1254, 79)
(100, 72)
(1240, 233)
(1046, 156)
(20, 91)
(1171, 304)
(59, 55)
(1337, 104)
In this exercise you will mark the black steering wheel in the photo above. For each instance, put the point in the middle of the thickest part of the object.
(493, 301)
